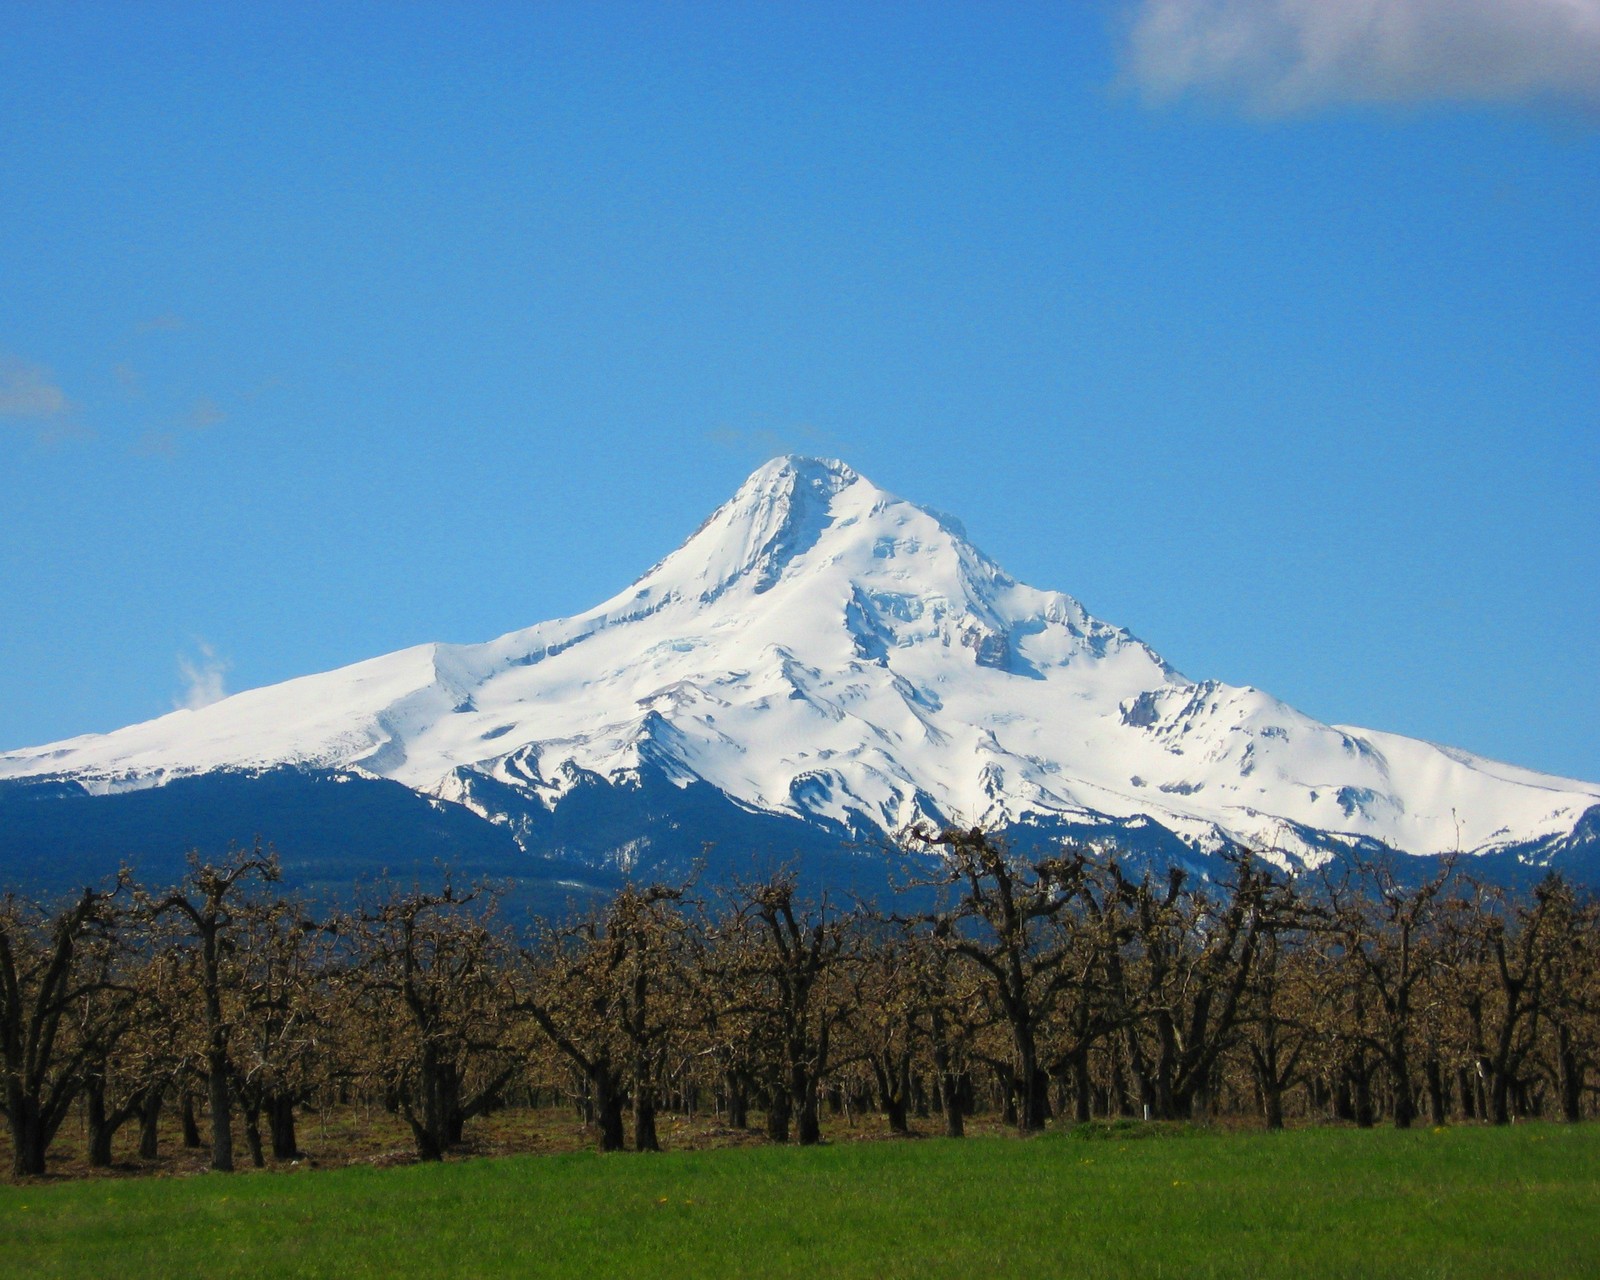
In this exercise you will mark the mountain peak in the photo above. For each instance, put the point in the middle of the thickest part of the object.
(777, 515)
(827, 475)
(823, 649)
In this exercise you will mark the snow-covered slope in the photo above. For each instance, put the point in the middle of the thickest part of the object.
(823, 649)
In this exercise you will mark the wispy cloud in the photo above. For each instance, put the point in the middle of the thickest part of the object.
(30, 391)
(129, 379)
(204, 412)
(1275, 57)
(166, 322)
(263, 388)
(30, 394)
(202, 677)
(769, 443)
(157, 444)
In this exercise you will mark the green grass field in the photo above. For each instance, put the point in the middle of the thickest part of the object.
(1315, 1202)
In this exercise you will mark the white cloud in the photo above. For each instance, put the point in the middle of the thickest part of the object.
(29, 391)
(1279, 56)
(202, 679)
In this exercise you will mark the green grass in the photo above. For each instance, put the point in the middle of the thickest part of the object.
(1315, 1202)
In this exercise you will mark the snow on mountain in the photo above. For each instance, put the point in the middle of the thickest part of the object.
(822, 649)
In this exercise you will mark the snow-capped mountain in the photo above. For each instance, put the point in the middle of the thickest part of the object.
(823, 651)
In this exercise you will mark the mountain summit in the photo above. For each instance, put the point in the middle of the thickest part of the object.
(823, 651)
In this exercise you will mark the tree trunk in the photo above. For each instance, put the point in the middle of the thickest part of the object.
(28, 1140)
(1405, 1107)
(1500, 1097)
(433, 1113)
(149, 1115)
(948, 1082)
(644, 1118)
(100, 1129)
(252, 1133)
(428, 1147)
(452, 1116)
(1141, 1075)
(1120, 1098)
(891, 1081)
(1436, 1099)
(1272, 1105)
(221, 1117)
(894, 1111)
(1269, 1090)
(441, 1100)
(807, 1120)
(280, 1117)
(608, 1112)
(1570, 1071)
(779, 1110)
(1081, 1088)
(191, 1127)
(1008, 1097)
(738, 1101)
(1033, 1102)
(955, 1123)
(1361, 1091)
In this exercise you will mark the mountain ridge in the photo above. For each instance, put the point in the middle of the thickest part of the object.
(823, 650)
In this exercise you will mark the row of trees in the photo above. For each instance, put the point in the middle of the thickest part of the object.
(1031, 987)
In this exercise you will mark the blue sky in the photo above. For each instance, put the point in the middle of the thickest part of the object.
(327, 330)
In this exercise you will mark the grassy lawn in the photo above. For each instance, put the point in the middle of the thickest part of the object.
(1315, 1202)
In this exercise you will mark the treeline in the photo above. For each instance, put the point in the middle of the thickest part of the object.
(1066, 986)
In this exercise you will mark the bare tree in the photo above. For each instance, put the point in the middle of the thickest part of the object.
(889, 1007)
(207, 902)
(1277, 1024)
(50, 965)
(1512, 950)
(1004, 926)
(281, 999)
(777, 958)
(1571, 993)
(608, 993)
(429, 979)
(1388, 933)
(952, 1008)
(128, 1050)
(1186, 979)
